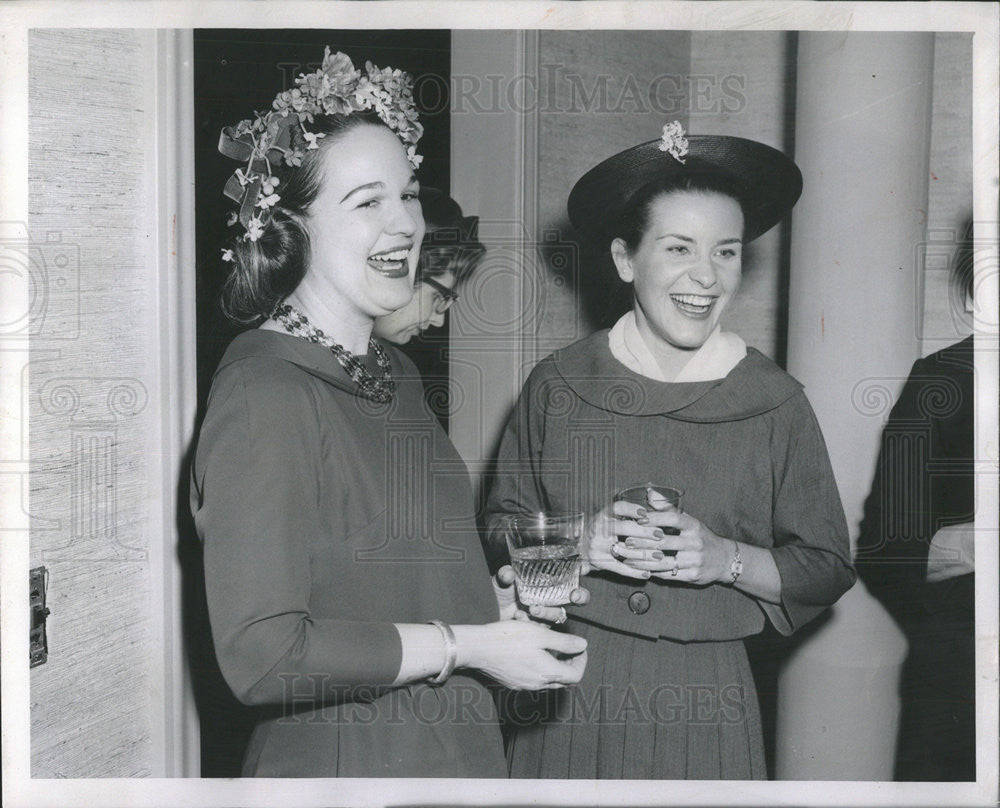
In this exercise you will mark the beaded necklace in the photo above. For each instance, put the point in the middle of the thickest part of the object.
(379, 390)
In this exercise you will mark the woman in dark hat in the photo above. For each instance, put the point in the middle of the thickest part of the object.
(666, 396)
(449, 253)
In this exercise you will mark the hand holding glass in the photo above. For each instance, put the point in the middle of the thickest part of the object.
(545, 554)
(653, 497)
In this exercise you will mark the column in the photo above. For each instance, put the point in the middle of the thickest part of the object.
(493, 175)
(862, 135)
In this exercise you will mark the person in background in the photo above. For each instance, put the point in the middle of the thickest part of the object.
(450, 252)
(667, 396)
(916, 553)
(347, 589)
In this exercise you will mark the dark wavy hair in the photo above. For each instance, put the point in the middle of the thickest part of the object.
(451, 243)
(634, 221)
(963, 265)
(267, 270)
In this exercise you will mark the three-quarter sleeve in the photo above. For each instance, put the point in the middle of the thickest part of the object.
(811, 542)
(255, 499)
(516, 484)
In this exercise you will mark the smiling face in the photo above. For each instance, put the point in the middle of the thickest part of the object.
(422, 312)
(365, 226)
(684, 270)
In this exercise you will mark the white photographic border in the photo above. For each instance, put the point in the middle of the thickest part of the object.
(19, 789)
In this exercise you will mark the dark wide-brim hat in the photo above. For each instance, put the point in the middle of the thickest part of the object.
(766, 182)
(445, 223)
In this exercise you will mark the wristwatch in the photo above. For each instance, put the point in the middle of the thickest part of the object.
(736, 565)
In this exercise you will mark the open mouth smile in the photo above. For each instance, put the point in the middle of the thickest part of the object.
(391, 263)
(694, 305)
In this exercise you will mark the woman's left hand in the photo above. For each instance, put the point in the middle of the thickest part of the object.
(512, 609)
(697, 555)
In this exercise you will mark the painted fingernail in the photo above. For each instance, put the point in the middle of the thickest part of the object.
(642, 520)
(657, 555)
(659, 534)
(641, 512)
(645, 573)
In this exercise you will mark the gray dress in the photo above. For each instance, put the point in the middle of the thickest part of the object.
(326, 519)
(668, 691)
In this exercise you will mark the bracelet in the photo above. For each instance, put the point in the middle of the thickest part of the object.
(736, 565)
(450, 652)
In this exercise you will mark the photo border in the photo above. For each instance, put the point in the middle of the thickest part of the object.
(19, 789)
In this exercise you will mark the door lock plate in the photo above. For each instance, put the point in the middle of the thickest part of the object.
(39, 644)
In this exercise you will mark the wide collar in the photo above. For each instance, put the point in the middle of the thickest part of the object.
(720, 353)
(317, 360)
(756, 385)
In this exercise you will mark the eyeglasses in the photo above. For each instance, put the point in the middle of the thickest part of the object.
(444, 296)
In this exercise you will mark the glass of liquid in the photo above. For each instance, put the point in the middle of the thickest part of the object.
(545, 554)
(652, 496)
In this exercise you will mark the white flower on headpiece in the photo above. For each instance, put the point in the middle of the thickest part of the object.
(227, 255)
(311, 138)
(264, 202)
(414, 158)
(673, 141)
(255, 229)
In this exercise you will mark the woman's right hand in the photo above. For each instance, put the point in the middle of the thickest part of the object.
(604, 534)
(521, 655)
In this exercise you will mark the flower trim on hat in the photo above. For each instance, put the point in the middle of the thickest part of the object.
(673, 141)
(337, 88)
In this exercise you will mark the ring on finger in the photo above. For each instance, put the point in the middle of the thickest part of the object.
(562, 617)
(673, 570)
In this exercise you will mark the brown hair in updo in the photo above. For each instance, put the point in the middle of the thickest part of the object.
(267, 270)
(634, 220)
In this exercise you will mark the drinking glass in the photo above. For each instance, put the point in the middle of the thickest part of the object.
(545, 554)
(652, 496)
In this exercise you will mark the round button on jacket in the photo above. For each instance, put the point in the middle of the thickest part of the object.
(638, 602)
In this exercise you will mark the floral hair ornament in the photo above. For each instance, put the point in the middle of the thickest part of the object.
(337, 88)
(673, 141)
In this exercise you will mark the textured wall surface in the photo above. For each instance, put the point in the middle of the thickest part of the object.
(91, 415)
(949, 198)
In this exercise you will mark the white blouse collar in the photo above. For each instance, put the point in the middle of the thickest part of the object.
(721, 352)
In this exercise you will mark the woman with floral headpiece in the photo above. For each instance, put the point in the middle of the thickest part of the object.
(348, 593)
(668, 400)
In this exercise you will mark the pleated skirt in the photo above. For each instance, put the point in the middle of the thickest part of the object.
(646, 710)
